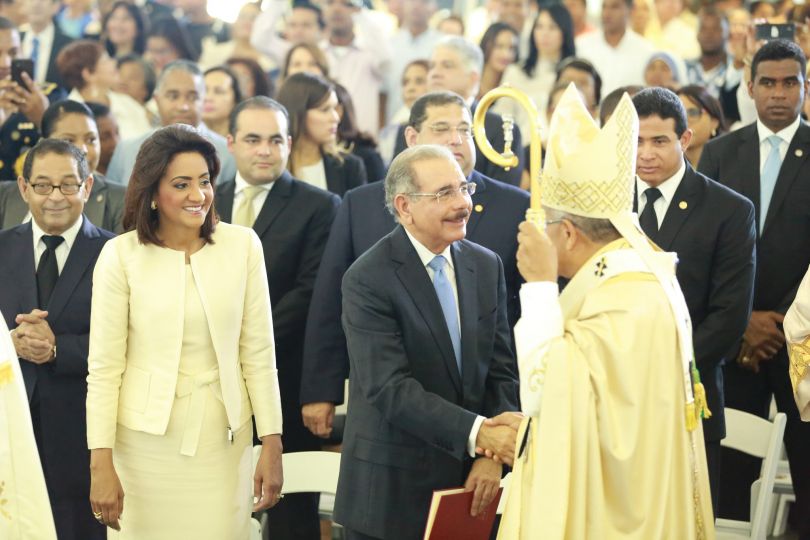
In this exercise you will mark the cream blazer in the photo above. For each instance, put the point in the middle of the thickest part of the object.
(136, 333)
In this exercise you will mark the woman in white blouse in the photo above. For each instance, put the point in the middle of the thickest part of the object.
(87, 68)
(181, 358)
(552, 42)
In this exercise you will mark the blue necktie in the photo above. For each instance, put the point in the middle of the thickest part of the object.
(35, 54)
(444, 290)
(767, 180)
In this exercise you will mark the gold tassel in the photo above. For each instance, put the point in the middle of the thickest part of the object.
(691, 416)
(700, 402)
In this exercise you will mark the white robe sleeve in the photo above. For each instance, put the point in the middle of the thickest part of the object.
(797, 333)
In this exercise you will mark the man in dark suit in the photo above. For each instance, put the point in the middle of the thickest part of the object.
(767, 163)
(456, 66)
(44, 41)
(498, 208)
(292, 220)
(47, 283)
(424, 313)
(712, 230)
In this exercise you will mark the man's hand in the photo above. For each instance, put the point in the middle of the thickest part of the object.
(497, 441)
(34, 101)
(484, 479)
(318, 418)
(269, 476)
(536, 255)
(11, 98)
(33, 339)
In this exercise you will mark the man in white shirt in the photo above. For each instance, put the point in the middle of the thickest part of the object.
(292, 219)
(766, 161)
(304, 24)
(45, 299)
(43, 40)
(414, 40)
(356, 61)
(179, 95)
(619, 53)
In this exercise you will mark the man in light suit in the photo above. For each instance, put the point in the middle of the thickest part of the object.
(498, 208)
(424, 312)
(456, 66)
(712, 230)
(292, 219)
(46, 302)
(767, 162)
(179, 95)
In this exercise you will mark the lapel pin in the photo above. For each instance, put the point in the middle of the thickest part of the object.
(682, 205)
(479, 208)
(798, 152)
(99, 198)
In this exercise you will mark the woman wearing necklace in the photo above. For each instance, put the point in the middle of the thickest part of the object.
(181, 358)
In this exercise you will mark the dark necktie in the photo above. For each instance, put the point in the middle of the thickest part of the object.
(648, 219)
(47, 270)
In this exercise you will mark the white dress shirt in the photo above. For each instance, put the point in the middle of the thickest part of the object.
(425, 255)
(62, 250)
(785, 134)
(43, 53)
(258, 200)
(408, 48)
(619, 66)
(667, 188)
(133, 120)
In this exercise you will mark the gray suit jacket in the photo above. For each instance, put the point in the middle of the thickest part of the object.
(105, 206)
(123, 159)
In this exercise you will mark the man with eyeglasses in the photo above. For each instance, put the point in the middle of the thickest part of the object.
(45, 298)
(424, 312)
(497, 209)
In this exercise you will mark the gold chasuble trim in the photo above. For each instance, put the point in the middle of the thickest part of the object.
(799, 354)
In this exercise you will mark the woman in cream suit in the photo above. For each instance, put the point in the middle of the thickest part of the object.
(181, 358)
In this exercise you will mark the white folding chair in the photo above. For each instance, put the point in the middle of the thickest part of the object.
(763, 439)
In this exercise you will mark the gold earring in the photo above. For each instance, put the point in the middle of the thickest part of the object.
(153, 206)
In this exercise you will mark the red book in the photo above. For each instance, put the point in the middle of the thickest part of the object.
(450, 519)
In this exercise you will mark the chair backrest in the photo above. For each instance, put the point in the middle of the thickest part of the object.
(761, 438)
(310, 472)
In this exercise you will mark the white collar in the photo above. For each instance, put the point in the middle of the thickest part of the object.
(786, 134)
(667, 188)
(69, 235)
(241, 184)
(425, 255)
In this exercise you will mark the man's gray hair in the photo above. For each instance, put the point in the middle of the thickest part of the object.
(470, 53)
(179, 65)
(401, 177)
(600, 231)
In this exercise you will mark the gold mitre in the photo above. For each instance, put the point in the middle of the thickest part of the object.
(588, 171)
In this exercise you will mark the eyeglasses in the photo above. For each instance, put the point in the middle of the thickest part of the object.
(444, 195)
(442, 128)
(694, 112)
(553, 221)
(47, 189)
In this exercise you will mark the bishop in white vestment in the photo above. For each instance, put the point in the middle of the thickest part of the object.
(612, 444)
(797, 335)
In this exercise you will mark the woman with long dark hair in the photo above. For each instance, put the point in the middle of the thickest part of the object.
(181, 358)
(222, 94)
(124, 29)
(353, 141)
(500, 47)
(552, 42)
(315, 158)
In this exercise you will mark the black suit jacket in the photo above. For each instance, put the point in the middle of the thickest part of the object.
(783, 247)
(712, 230)
(493, 124)
(341, 177)
(410, 411)
(362, 220)
(293, 226)
(60, 386)
(60, 41)
(105, 205)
